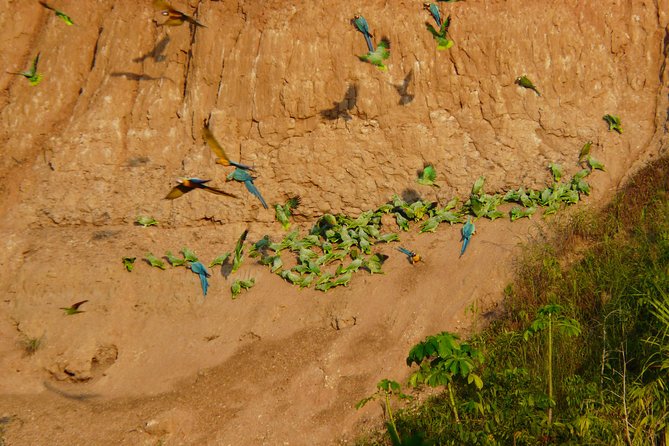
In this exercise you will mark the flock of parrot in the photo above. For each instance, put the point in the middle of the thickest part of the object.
(338, 234)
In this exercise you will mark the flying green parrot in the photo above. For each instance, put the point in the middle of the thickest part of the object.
(237, 259)
(60, 14)
(199, 269)
(411, 256)
(32, 75)
(441, 36)
(467, 231)
(361, 25)
(427, 176)
(377, 56)
(218, 149)
(284, 212)
(174, 17)
(74, 308)
(434, 11)
(188, 184)
(525, 82)
(246, 178)
(128, 263)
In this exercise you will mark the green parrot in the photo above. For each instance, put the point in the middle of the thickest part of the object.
(441, 36)
(61, 15)
(189, 256)
(32, 75)
(155, 261)
(556, 170)
(174, 260)
(145, 221)
(74, 308)
(284, 212)
(525, 82)
(239, 252)
(128, 262)
(428, 176)
(595, 164)
(585, 151)
(239, 285)
(220, 260)
(614, 123)
(377, 56)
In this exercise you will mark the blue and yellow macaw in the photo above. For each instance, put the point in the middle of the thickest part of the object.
(361, 25)
(467, 231)
(412, 256)
(174, 17)
(218, 150)
(188, 184)
(246, 178)
(199, 269)
(434, 11)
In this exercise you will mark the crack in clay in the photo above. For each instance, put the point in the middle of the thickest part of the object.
(95, 48)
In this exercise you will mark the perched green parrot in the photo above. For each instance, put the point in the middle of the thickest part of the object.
(467, 231)
(585, 151)
(284, 212)
(220, 260)
(375, 262)
(145, 221)
(155, 261)
(239, 285)
(556, 170)
(377, 56)
(239, 251)
(290, 276)
(361, 25)
(128, 262)
(525, 82)
(428, 176)
(174, 260)
(199, 269)
(74, 308)
(188, 184)
(174, 17)
(614, 123)
(246, 178)
(595, 164)
(189, 256)
(517, 212)
(32, 75)
(61, 15)
(218, 149)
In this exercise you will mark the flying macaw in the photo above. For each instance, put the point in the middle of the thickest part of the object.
(525, 82)
(74, 308)
(246, 178)
(188, 184)
(377, 56)
(467, 231)
(60, 14)
(218, 149)
(412, 256)
(434, 11)
(361, 25)
(174, 17)
(199, 269)
(32, 75)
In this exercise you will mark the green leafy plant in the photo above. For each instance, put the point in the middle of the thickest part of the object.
(385, 390)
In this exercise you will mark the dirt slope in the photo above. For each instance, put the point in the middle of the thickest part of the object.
(118, 117)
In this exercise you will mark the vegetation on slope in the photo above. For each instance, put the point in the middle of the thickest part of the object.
(580, 352)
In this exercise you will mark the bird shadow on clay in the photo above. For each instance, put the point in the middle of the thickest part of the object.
(411, 196)
(135, 76)
(156, 53)
(403, 89)
(69, 395)
(341, 109)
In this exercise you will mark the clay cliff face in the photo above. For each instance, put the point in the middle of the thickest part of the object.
(119, 113)
(118, 118)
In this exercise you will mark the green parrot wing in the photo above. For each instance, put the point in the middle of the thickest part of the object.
(432, 30)
(237, 260)
(220, 260)
(155, 261)
(128, 263)
(595, 164)
(428, 176)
